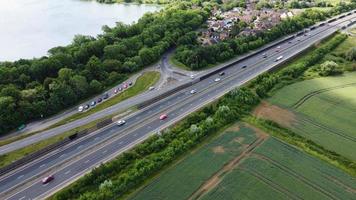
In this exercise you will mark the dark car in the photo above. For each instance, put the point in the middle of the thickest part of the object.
(106, 96)
(93, 103)
(47, 179)
(86, 106)
(222, 73)
(99, 100)
(243, 67)
(130, 83)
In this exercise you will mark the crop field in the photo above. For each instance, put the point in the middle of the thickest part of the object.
(324, 111)
(181, 180)
(276, 170)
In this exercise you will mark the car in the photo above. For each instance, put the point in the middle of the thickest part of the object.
(222, 73)
(120, 122)
(163, 116)
(120, 88)
(151, 88)
(264, 55)
(243, 67)
(99, 100)
(47, 179)
(93, 103)
(192, 76)
(130, 83)
(298, 40)
(305, 34)
(278, 48)
(116, 91)
(289, 41)
(124, 85)
(86, 106)
(106, 96)
(80, 108)
(193, 91)
(279, 58)
(217, 79)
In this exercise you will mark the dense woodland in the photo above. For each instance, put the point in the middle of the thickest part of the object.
(128, 171)
(195, 56)
(31, 89)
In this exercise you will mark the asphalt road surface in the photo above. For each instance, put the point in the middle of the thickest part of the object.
(72, 161)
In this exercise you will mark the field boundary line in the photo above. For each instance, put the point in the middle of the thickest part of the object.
(215, 179)
(294, 174)
(275, 186)
(302, 100)
(310, 121)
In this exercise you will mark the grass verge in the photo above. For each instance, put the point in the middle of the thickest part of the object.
(143, 83)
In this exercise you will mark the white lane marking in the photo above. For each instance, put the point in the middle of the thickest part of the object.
(42, 165)
(121, 142)
(135, 134)
(79, 147)
(22, 198)
(20, 177)
(62, 155)
(97, 138)
(86, 161)
(67, 172)
(105, 151)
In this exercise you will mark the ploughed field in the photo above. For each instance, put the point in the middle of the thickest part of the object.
(244, 163)
(321, 109)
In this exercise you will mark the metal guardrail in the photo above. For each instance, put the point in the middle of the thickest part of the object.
(77, 135)
(37, 154)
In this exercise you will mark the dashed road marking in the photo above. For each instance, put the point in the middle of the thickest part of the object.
(22, 198)
(67, 172)
(87, 161)
(20, 177)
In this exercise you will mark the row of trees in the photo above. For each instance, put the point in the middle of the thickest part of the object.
(113, 180)
(197, 57)
(30, 89)
(129, 170)
(264, 83)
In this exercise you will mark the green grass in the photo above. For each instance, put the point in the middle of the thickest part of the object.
(326, 118)
(142, 84)
(276, 170)
(8, 158)
(182, 179)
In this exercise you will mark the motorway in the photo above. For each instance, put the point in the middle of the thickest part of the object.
(72, 161)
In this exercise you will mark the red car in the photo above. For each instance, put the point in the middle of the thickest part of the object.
(124, 85)
(47, 179)
(162, 117)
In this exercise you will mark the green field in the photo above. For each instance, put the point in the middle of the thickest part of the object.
(325, 110)
(182, 179)
(276, 170)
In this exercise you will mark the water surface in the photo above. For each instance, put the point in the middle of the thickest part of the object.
(28, 28)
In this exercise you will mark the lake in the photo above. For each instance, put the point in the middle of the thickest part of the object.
(28, 28)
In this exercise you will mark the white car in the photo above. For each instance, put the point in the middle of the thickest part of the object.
(217, 80)
(120, 122)
(151, 88)
(279, 58)
(192, 91)
(192, 76)
(80, 108)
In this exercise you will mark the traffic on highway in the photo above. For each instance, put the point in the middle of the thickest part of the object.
(46, 175)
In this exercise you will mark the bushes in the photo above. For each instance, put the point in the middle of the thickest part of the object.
(92, 64)
(329, 68)
(130, 169)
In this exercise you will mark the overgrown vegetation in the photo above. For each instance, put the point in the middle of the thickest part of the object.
(195, 56)
(31, 89)
(131, 168)
(307, 145)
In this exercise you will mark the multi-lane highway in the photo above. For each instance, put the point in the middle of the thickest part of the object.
(79, 157)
